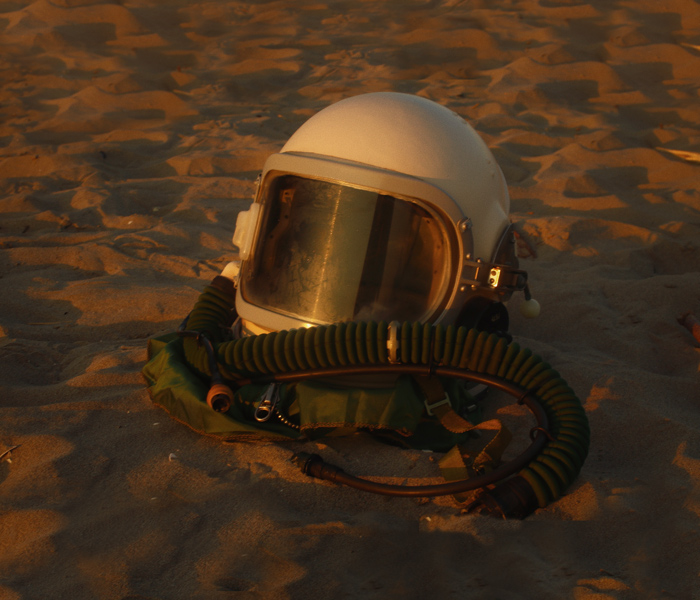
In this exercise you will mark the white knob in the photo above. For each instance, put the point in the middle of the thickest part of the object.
(530, 308)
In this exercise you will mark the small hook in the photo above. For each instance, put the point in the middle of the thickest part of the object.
(267, 404)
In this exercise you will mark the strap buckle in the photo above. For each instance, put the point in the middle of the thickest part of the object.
(430, 407)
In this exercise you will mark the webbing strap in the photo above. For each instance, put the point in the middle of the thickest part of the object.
(438, 403)
(459, 463)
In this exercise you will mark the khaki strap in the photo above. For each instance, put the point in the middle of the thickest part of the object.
(468, 464)
(459, 463)
(438, 403)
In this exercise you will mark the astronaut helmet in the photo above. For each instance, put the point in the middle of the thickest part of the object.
(381, 207)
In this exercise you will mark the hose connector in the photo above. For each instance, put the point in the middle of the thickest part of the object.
(512, 499)
(303, 460)
(314, 466)
(220, 397)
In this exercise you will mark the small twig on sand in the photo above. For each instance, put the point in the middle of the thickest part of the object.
(4, 454)
(691, 323)
(526, 245)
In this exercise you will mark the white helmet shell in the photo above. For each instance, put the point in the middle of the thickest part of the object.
(320, 244)
(417, 137)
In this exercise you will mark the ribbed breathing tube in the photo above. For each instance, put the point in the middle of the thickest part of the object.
(451, 351)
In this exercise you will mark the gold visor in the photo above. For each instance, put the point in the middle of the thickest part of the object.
(327, 252)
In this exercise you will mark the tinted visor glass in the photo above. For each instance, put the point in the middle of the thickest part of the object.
(327, 253)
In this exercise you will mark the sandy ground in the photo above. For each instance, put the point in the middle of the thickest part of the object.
(131, 135)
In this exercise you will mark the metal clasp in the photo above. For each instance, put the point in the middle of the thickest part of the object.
(430, 407)
(267, 404)
(392, 343)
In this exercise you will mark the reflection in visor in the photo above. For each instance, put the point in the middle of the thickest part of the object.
(328, 253)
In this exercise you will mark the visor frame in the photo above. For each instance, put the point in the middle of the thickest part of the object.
(453, 223)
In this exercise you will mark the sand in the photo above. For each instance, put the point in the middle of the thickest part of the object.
(131, 134)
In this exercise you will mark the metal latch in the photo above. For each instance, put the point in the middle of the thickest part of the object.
(267, 404)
